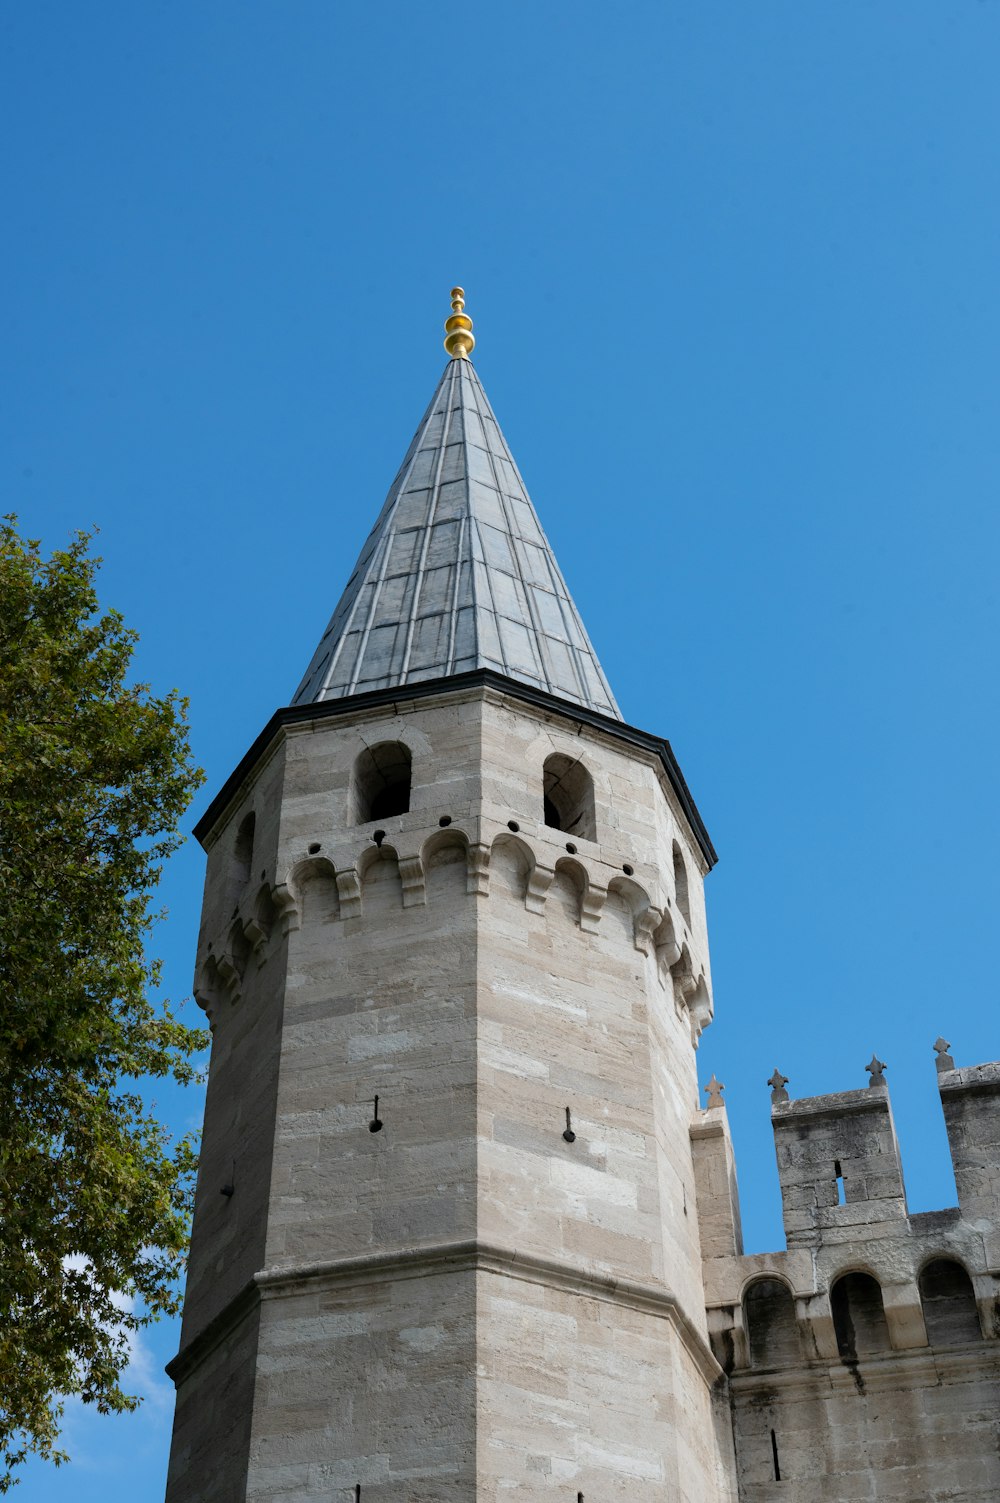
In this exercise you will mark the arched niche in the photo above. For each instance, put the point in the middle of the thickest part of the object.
(315, 886)
(568, 796)
(381, 782)
(626, 908)
(666, 948)
(381, 883)
(949, 1304)
(445, 860)
(859, 1315)
(511, 863)
(239, 947)
(566, 892)
(771, 1327)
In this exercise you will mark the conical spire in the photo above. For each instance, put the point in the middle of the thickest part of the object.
(457, 573)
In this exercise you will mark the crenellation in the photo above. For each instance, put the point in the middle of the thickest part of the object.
(867, 1299)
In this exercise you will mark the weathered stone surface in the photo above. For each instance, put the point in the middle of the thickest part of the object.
(889, 1387)
(464, 1301)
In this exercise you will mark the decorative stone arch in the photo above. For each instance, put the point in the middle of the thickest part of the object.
(261, 922)
(210, 989)
(571, 877)
(381, 782)
(238, 949)
(380, 878)
(948, 1301)
(439, 840)
(240, 860)
(665, 946)
(770, 1322)
(684, 978)
(313, 884)
(371, 855)
(645, 918)
(512, 861)
(568, 796)
(440, 854)
(858, 1309)
(699, 1006)
(682, 893)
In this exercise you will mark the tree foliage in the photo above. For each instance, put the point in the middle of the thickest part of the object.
(95, 773)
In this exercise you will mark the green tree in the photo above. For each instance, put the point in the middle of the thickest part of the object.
(95, 773)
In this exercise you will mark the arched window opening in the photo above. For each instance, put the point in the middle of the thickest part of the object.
(241, 862)
(859, 1316)
(568, 796)
(769, 1316)
(380, 787)
(681, 885)
(949, 1303)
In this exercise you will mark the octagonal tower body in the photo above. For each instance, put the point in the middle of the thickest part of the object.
(450, 878)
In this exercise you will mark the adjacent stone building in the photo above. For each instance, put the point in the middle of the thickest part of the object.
(462, 1229)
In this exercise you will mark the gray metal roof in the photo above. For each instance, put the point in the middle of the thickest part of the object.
(457, 573)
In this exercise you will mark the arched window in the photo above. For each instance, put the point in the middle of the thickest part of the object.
(859, 1316)
(949, 1302)
(568, 792)
(769, 1316)
(241, 860)
(380, 787)
(681, 884)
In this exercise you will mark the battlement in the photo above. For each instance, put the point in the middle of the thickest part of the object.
(864, 1293)
(838, 1165)
(855, 1258)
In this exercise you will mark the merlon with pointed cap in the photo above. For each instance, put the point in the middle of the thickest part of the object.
(457, 573)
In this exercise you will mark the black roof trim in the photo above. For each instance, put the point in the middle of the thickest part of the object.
(484, 678)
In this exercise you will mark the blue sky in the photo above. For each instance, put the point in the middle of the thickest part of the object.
(733, 269)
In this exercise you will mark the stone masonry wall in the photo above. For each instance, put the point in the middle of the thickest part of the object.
(864, 1360)
(423, 1288)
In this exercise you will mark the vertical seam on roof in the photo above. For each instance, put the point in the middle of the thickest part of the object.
(489, 582)
(516, 559)
(554, 568)
(429, 523)
(473, 538)
(457, 582)
(381, 554)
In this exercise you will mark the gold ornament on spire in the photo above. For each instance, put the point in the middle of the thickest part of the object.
(458, 328)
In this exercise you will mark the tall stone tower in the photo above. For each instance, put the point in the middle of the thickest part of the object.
(454, 955)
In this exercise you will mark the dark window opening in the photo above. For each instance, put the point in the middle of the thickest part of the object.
(568, 797)
(381, 784)
(774, 1457)
(681, 885)
(949, 1304)
(858, 1315)
(389, 801)
(771, 1327)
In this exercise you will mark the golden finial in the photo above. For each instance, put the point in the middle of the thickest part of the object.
(460, 341)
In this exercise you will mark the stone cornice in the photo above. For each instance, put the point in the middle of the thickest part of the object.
(219, 1327)
(916, 1366)
(436, 1259)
